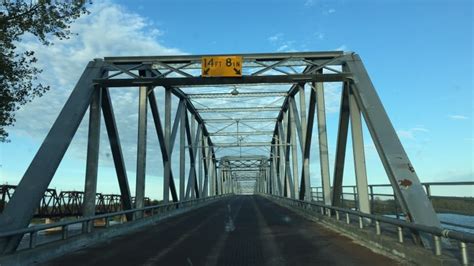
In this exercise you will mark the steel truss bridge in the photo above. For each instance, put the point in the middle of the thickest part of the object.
(250, 134)
(62, 204)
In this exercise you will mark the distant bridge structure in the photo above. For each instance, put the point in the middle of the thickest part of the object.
(243, 124)
(61, 204)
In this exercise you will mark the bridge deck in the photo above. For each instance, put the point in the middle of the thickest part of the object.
(260, 233)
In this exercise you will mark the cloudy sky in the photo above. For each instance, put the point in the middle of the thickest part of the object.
(418, 54)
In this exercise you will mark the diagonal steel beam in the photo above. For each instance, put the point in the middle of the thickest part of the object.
(297, 121)
(116, 148)
(269, 67)
(401, 173)
(176, 122)
(161, 138)
(193, 149)
(19, 210)
(174, 69)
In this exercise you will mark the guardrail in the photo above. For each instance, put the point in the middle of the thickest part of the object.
(383, 200)
(437, 233)
(87, 222)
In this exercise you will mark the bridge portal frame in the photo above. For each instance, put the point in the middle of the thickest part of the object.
(172, 72)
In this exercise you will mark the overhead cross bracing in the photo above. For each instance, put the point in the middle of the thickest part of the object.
(205, 119)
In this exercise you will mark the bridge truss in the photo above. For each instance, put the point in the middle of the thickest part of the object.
(263, 139)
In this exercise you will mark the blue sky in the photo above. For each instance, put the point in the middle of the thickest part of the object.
(419, 55)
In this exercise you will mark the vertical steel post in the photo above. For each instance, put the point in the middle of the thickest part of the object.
(141, 147)
(219, 181)
(182, 155)
(359, 156)
(268, 177)
(341, 147)
(287, 136)
(305, 163)
(305, 191)
(207, 183)
(323, 143)
(92, 164)
(277, 164)
(201, 160)
(294, 152)
(207, 158)
(167, 166)
(282, 157)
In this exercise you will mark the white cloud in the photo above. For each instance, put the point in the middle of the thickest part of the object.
(331, 11)
(341, 48)
(410, 134)
(110, 30)
(309, 3)
(405, 134)
(275, 38)
(319, 35)
(458, 117)
(283, 47)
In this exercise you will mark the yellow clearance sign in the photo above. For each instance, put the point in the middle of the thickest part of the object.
(221, 66)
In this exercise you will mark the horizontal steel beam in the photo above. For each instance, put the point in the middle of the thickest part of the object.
(236, 169)
(254, 133)
(238, 109)
(197, 58)
(243, 119)
(240, 94)
(215, 81)
(243, 158)
(248, 144)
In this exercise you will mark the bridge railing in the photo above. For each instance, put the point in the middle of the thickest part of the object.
(437, 233)
(445, 197)
(87, 222)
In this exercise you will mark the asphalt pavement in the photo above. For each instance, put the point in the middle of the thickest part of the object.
(239, 230)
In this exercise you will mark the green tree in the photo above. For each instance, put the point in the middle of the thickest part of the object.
(18, 74)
